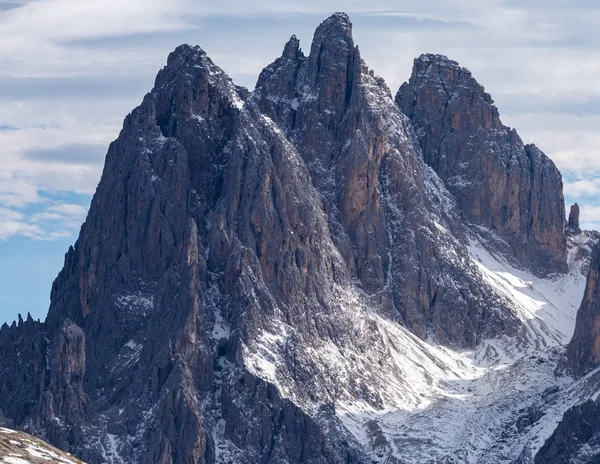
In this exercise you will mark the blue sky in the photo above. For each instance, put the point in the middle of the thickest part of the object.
(70, 71)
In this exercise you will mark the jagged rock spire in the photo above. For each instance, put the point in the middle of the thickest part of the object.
(573, 223)
(292, 48)
(444, 79)
(334, 62)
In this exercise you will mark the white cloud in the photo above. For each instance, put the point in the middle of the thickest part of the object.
(66, 209)
(534, 61)
(55, 221)
(62, 20)
(13, 223)
(581, 188)
(590, 216)
(48, 124)
(325, 7)
(41, 31)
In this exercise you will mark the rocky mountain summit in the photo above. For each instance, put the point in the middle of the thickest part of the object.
(310, 272)
(510, 188)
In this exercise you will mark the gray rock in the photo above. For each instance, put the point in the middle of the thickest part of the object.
(510, 188)
(573, 224)
(576, 439)
(583, 352)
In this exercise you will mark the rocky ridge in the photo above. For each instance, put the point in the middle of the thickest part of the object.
(292, 275)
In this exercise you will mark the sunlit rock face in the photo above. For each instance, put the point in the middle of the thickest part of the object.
(510, 188)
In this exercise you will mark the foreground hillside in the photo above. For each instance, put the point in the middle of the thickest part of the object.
(20, 448)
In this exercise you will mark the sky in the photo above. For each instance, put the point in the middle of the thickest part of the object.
(71, 70)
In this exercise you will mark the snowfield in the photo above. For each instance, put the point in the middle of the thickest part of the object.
(428, 403)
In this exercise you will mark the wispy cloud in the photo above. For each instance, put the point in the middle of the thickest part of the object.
(14, 223)
(89, 63)
(583, 188)
(55, 221)
(78, 154)
(42, 29)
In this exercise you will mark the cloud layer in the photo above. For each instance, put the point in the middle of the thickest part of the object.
(71, 70)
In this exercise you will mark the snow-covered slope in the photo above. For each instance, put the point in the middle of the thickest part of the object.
(546, 307)
(428, 403)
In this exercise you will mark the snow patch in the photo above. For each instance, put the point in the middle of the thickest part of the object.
(547, 307)
(14, 460)
(135, 303)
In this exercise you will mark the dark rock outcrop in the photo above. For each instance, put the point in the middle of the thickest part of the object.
(573, 224)
(23, 348)
(512, 189)
(42, 380)
(576, 438)
(583, 351)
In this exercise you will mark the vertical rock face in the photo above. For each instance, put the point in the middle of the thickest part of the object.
(23, 349)
(573, 224)
(67, 370)
(583, 352)
(42, 380)
(501, 184)
(205, 228)
(382, 202)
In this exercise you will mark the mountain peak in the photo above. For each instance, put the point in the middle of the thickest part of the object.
(185, 53)
(447, 107)
(437, 58)
(337, 26)
(434, 70)
(334, 63)
(292, 48)
(339, 21)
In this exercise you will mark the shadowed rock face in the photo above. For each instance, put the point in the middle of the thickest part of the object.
(583, 352)
(501, 184)
(573, 224)
(225, 220)
(576, 438)
(204, 228)
(23, 347)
